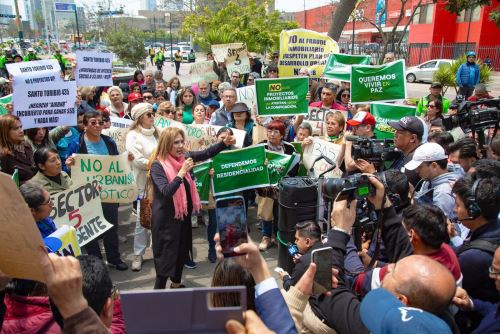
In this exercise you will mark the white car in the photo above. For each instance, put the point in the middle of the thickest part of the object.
(425, 71)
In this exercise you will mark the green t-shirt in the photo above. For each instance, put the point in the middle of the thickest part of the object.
(187, 115)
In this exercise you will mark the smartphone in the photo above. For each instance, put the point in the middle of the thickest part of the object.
(231, 223)
(323, 258)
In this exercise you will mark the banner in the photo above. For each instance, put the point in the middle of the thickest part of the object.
(282, 97)
(247, 95)
(235, 55)
(385, 112)
(118, 131)
(80, 207)
(119, 122)
(4, 101)
(278, 165)
(316, 117)
(378, 83)
(113, 172)
(202, 180)
(304, 48)
(42, 105)
(198, 136)
(20, 239)
(94, 68)
(338, 66)
(43, 72)
(238, 170)
(322, 147)
(63, 242)
(203, 70)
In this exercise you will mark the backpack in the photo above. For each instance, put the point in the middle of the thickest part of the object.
(486, 245)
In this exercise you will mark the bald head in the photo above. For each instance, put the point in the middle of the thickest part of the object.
(419, 281)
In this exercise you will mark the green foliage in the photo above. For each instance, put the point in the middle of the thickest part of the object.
(236, 21)
(456, 6)
(447, 75)
(495, 16)
(127, 44)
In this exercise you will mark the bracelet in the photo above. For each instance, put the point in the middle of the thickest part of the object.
(336, 228)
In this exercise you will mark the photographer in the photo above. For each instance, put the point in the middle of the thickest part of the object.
(363, 125)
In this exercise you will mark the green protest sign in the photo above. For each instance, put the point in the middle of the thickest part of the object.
(338, 66)
(3, 104)
(202, 180)
(279, 164)
(282, 97)
(385, 112)
(241, 169)
(378, 83)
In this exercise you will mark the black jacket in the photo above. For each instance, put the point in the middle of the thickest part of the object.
(300, 267)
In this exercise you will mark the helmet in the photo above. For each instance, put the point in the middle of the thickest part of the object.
(471, 53)
(134, 97)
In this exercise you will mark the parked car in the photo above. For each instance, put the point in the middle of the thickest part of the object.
(425, 71)
(185, 49)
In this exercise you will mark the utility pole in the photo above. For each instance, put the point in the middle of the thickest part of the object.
(18, 25)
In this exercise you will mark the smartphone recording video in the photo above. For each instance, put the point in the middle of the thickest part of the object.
(323, 257)
(231, 223)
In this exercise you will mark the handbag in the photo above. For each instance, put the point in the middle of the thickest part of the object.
(265, 208)
(146, 204)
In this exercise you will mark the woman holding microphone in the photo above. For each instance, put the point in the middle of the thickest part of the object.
(175, 199)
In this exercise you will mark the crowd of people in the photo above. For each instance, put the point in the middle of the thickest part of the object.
(427, 262)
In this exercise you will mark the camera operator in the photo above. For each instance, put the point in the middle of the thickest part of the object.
(363, 125)
(417, 281)
(408, 136)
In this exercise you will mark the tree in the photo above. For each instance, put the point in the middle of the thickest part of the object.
(127, 44)
(343, 10)
(236, 21)
(457, 6)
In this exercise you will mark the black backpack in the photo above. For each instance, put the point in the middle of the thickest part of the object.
(488, 245)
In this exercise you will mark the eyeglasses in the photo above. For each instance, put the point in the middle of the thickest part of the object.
(167, 111)
(346, 95)
(49, 202)
(273, 132)
(493, 272)
(147, 97)
(94, 123)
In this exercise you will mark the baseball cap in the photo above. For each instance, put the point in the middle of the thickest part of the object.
(436, 84)
(409, 123)
(425, 153)
(362, 117)
(240, 107)
(381, 312)
(134, 97)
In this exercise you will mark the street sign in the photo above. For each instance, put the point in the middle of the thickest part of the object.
(65, 7)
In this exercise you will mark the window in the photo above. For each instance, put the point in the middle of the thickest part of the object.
(424, 14)
(430, 64)
(469, 14)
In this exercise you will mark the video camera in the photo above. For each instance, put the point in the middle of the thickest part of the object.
(356, 186)
(373, 150)
(472, 117)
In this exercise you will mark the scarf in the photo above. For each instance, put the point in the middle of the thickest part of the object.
(147, 132)
(171, 167)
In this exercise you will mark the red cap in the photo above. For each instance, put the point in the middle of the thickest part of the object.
(134, 97)
(362, 117)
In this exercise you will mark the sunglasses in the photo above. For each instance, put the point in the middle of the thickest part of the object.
(147, 97)
(346, 95)
(431, 106)
(150, 115)
(94, 123)
(168, 112)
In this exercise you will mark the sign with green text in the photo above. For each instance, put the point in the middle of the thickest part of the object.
(282, 97)
(385, 112)
(202, 180)
(378, 83)
(338, 66)
(238, 170)
(278, 165)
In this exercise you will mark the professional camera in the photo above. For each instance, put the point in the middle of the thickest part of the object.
(474, 116)
(373, 150)
(356, 186)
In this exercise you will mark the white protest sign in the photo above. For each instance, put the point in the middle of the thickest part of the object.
(42, 105)
(113, 172)
(63, 242)
(198, 136)
(119, 122)
(247, 95)
(322, 147)
(235, 55)
(203, 70)
(118, 131)
(44, 72)
(80, 207)
(20, 239)
(94, 68)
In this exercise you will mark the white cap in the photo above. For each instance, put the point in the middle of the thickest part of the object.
(426, 152)
(31, 50)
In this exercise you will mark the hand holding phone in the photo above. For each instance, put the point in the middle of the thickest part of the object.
(323, 258)
(231, 223)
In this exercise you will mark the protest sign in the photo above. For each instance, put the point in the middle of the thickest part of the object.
(198, 136)
(247, 95)
(338, 66)
(119, 122)
(278, 165)
(322, 147)
(235, 55)
(94, 68)
(385, 112)
(4, 101)
(282, 97)
(80, 207)
(202, 180)
(316, 117)
(35, 72)
(378, 83)
(118, 131)
(259, 134)
(113, 172)
(20, 239)
(42, 105)
(241, 169)
(203, 70)
(304, 48)
(63, 242)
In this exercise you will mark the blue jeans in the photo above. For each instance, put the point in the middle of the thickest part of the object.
(270, 228)
(211, 230)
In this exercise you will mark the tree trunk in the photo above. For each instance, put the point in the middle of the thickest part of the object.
(342, 12)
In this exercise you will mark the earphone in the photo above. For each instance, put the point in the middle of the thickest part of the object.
(473, 208)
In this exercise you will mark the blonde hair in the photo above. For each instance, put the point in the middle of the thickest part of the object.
(115, 88)
(337, 117)
(7, 122)
(86, 91)
(165, 105)
(166, 142)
